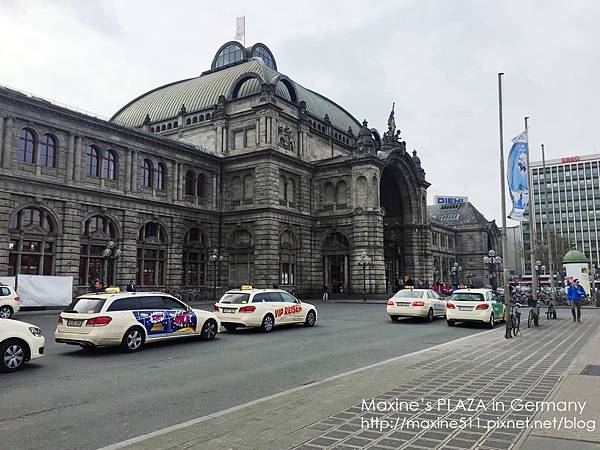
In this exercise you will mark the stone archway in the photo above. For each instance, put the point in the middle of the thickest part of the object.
(405, 225)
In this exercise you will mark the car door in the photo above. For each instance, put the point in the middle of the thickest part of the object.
(262, 302)
(293, 308)
(498, 306)
(123, 310)
(152, 315)
(182, 320)
(278, 304)
(439, 306)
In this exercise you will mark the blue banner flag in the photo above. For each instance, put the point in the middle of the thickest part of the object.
(518, 179)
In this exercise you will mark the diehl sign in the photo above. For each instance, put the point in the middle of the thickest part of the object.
(570, 159)
(447, 200)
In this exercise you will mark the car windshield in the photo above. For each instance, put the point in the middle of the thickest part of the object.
(467, 297)
(235, 298)
(408, 293)
(86, 305)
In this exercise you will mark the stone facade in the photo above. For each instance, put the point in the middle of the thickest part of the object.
(276, 194)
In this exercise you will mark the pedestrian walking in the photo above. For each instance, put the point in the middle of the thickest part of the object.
(575, 293)
(325, 292)
(130, 287)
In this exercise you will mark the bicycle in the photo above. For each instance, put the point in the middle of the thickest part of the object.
(534, 314)
(513, 323)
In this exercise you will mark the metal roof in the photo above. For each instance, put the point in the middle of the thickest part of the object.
(456, 214)
(203, 92)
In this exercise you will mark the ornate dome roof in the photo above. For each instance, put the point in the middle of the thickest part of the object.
(235, 73)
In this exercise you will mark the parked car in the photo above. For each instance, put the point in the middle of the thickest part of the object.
(474, 305)
(423, 303)
(9, 302)
(19, 342)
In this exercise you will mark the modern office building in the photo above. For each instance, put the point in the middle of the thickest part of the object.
(567, 199)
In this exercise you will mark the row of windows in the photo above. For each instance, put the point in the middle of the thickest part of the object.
(323, 129)
(34, 234)
(172, 125)
(152, 177)
(30, 147)
(101, 163)
(195, 185)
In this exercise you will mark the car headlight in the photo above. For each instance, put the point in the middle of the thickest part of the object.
(35, 331)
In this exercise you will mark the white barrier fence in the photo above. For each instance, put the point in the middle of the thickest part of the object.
(42, 290)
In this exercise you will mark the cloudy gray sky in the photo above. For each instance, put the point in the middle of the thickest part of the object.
(436, 59)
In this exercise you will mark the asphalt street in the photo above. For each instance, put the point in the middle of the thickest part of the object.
(81, 399)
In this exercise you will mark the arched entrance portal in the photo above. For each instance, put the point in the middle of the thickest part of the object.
(336, 256)
(402, 193)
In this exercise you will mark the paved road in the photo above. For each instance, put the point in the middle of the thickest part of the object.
(77, 399)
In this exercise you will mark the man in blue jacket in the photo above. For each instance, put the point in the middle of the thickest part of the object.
(575, 293)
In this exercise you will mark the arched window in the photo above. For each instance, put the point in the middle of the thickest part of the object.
(264, 54)
(146, 173)
(195, 119)
(248, 190)
(362, 192)
(287, 258)
(93, 161)
(98, 251)
(151, 255)
(341, 194)
(163, 127)
(188, 121)
(32, 244)
(202, 117)
(201, 186)
(230, 54)
(207, 116)
(195, 257)
(48, 150)
(241, 258)
(161, 176)
(169, 126)
(109, 167)
(151, 129)
(190, 183)
(27, 142)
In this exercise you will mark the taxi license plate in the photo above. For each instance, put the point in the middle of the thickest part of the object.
(229, 310)
(402, 304)
(74, 323)
(465, 308)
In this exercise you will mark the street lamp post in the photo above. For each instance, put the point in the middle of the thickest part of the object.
(455, 272)
(539, 267)
(364, 260)
(215, 259)
(110, 251)
(492, 261)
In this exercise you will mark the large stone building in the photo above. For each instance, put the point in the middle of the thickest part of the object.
(462, 235)
(282, 185)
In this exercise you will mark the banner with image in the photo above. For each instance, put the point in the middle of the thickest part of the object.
(518, 180)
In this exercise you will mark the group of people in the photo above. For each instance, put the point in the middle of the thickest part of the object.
(97, 286)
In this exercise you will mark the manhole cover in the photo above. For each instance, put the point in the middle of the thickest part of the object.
(592, 370)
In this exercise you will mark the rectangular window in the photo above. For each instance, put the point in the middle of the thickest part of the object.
(250, 137)
(238, 139)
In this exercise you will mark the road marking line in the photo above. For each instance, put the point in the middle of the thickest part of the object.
(223, 412)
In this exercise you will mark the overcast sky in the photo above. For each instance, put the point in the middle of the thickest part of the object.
(436, 59)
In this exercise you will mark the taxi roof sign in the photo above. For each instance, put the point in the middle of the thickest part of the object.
(112, 290)
(246, 287)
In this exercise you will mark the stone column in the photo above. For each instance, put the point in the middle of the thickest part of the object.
(127, 180)
(69, 158)
(127, 262)
(78, 155)
(174, 275)
(5, 210)
(266, 251)
(134, 171)
(67, 251)
(7, 142)
(368, 237)
(1, 141)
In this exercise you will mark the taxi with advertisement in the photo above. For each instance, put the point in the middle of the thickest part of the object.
(474, 305)
(423, 303)
(131, 319)
(262, 308)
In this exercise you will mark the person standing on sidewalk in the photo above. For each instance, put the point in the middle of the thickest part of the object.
(325, 292)
(575, 293)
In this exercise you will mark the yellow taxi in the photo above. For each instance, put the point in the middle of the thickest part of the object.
(262, 308)
(423, 303)
(130, 319)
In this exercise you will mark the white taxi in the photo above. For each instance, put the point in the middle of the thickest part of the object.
(19, 342)
(424, 303)
(474, 305)
(9, 302)
(130, 320)
(262, 308)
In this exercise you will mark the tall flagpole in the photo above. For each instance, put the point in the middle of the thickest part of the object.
(549, 239)
(532, 230)
(503, 209)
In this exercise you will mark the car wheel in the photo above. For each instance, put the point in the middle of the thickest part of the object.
(311, 318)
(394, 318)
(133, 341)
(429, 317)
(268, 323)
(6, 312)
(450, 323)
(14, 354)
(209, 330)
(230, 328)
(492, 321)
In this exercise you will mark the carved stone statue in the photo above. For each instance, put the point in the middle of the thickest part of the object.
(285, 138)
(391, 135)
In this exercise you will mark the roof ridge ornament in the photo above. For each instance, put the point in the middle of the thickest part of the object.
(392, 135)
